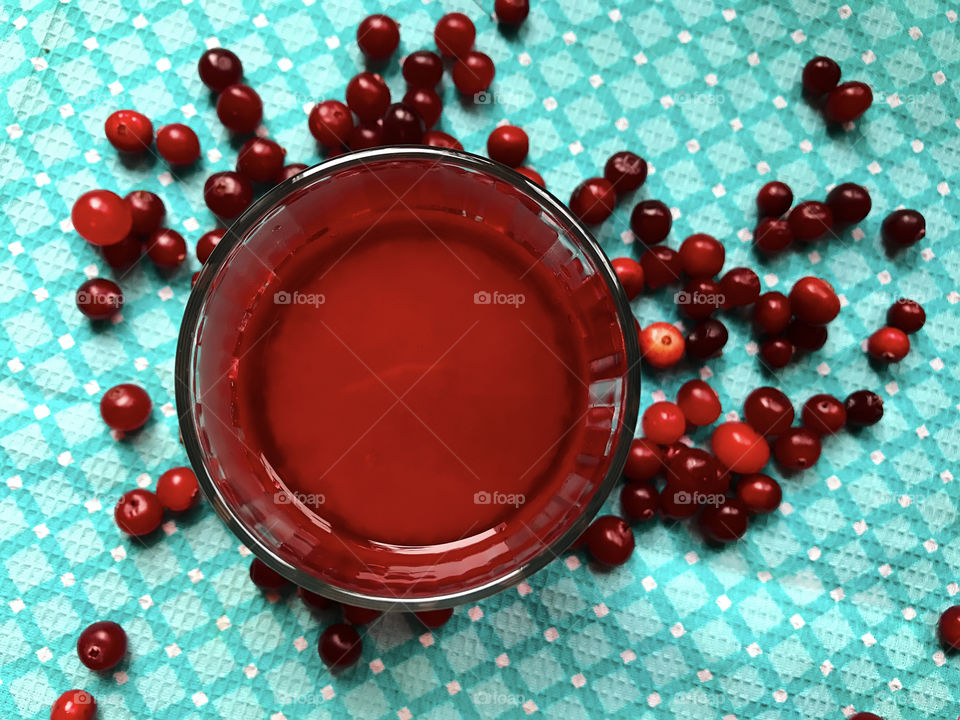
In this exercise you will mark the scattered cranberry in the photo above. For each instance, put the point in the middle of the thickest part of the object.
(773, 235)
(814, 301)
(661, 266)
(508, 144)
(625, 170)
(774, 199)
(227, 194)
(610, 540)
(473, 73)
(101, 217)
(676, 503)
(759, 494)
(265, 577)
(240, 108)
(810, 220)
(166, 248)
(849, 203)
(700, 298)
(529, 173)
(697, 471)
(74, 705)
(359, 615)
(644, 461)
(146, 211)
(663, 422)
(806, 337)
(260, 160)
(124, 253)
(724, 522)
(798, 448)
(776, 352)
(340, 645)
(824, 414)
(427, 104)
(422, 68)
(661, 345)
(102, 645)
(436, 138)
(739, 447)
(865, 716)
(651, 221)
(178, 144)
(639, 500)
(511, 12)
(630, 274)
(313, 600)
(330, 123)
(138, 512)
(863, 408)
(290, 171)
(707, 339)
(207, 242)
(847, 102)
(740, 287)
(593, 200)
(699, 402)
(907, 315)
(99, 298)
(772, 313)
(219, 68)
(402, 125)
(768, 411)
(368, 96)
(949, 627)
(378, 36)
(702, 256)
(435, 618)
(129, 131)
(889, 344)
(820, 75)
(125, 407)
(178, 489)
(365, 135)
(902, 227)
(454, 35)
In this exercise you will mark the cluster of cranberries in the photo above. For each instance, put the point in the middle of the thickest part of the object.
(841, 102)
(594, 199)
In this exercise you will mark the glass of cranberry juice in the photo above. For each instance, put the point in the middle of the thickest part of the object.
(407, 377)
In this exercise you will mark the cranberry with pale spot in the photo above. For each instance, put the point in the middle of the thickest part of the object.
(661, 345)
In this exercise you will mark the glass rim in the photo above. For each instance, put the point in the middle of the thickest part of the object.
(192, 322)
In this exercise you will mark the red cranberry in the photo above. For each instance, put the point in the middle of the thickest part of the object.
(610, 540)
(101, 217)
(99, 298)
(240, 108)
(759, 494)
(739, 447)
(368, 96)
(676, 503)
(798, 448)
(849, 203)
(724, 522)
(593, 200)
(806, 337)
(810, 220)
(330, 123)
(697, 471)
(138, 512)
(124, 253)
(865, 716)
(129, 131)
(702, 255)
(699, 299)
(863, 408)
(402, 125)
(312, 600)
(814, 301)
(340, 645)
(776, 352)
(706, 339)
(146, 211)
(768, 411)
(772, 313)
(454, 35)
(774, 199)
(166, 248)
(219, 68)
(630, 274)
(907, 315)
(102, 645)
(663, 423)
(847, 102)
(773, 235)
(74, 705)
(698, 402)
(644, 461)
(178, 489)
(178, 144)
(530, 174)
(227, 194)
(511, 12)
(902, 227)
(359, 615)
(651, 221)
(508, 144)
(265, 577)
(422, 68)
(260, 160)
(949, 627)
(435, 618)
(125, 407)
(639, 500)
(820, 75)
(435, 138)
(427, 104)
(661, 345)
(740, 287)
(889, 344)
(378, 36)
(290, 171)
(625, 170)
(473, 73)
(824, 414)
(207, 242)
(661, 266)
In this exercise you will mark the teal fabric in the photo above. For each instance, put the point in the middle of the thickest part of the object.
(828, 605)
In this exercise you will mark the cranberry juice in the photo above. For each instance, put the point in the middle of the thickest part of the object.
(422, 383)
